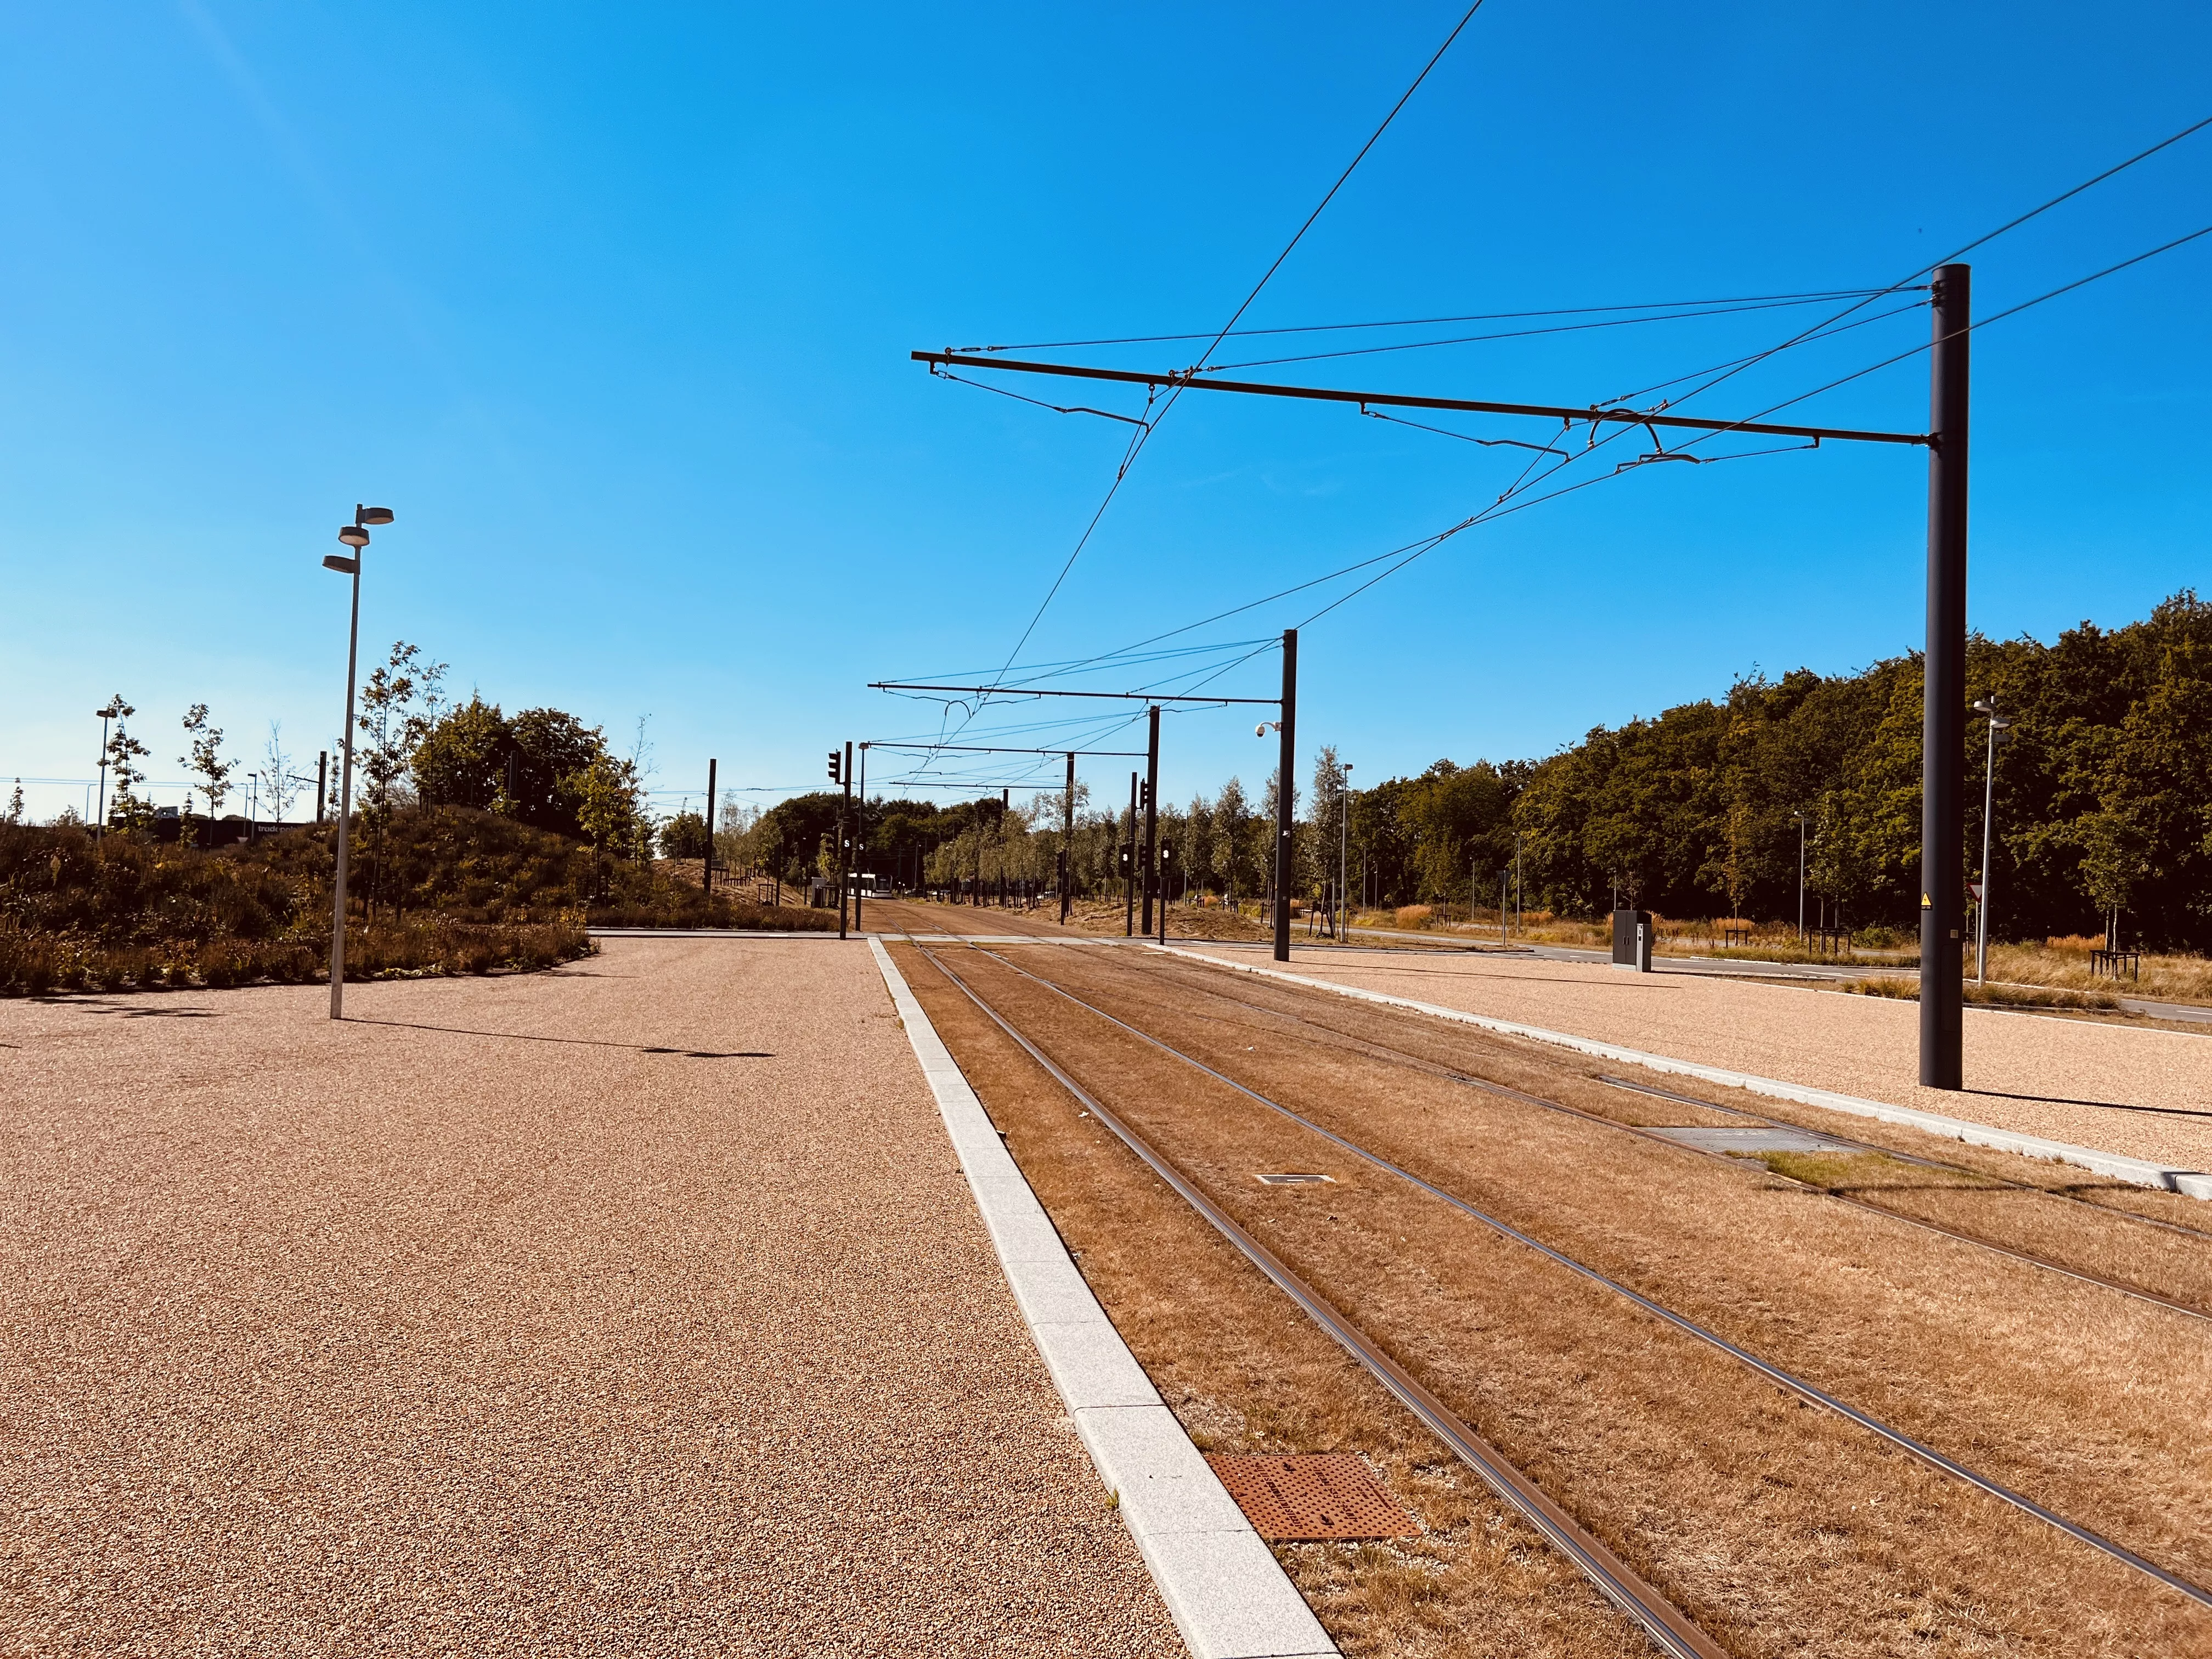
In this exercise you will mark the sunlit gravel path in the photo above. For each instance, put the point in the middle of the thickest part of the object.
(2146, 1092)
(638, 1308)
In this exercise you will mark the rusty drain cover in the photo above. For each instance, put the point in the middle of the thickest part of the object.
(1311, 1496)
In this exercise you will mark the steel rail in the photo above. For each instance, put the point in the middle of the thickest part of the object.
(1434, 1068)
(1772, 1372)
(1595, 414)
(1667, 1625)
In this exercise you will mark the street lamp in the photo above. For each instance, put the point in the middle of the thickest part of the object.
(355, 536)
(116, 709)
(1343, 857)
(1998, 724)
(1800, 817)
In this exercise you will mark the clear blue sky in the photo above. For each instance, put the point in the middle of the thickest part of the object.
(613, 307)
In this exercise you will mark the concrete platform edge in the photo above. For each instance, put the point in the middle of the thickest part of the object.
(1228, 1595)
(2138, 1171)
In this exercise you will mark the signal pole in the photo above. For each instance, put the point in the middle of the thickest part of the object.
(1152, 817)
(1067, 839)
(1943, 714)
(1283, 818)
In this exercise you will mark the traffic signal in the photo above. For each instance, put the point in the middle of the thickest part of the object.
(1145, 792)
(1128, 856)
(836, 776)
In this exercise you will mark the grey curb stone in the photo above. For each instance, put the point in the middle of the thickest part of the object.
(2138, 1171)
(1228, 1595)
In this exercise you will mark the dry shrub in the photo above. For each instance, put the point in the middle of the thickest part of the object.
(1902, 989)
(1415, 915)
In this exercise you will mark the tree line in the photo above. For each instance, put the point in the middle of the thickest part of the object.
(2100, 805)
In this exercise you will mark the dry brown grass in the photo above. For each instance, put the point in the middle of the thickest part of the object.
(1990, 994)
(2065, 962)
(1776, 1524)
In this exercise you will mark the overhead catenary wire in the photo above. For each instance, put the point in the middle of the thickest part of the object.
(1408, 553)
(1957, 253)
(1138, 438)
(1504, 334)
(1980, 323)
(1745, 300)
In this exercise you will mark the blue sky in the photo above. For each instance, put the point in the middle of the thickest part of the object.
(613, 308)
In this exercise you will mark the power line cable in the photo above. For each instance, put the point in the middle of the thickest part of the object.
(1144, 433)
(1823, 329)
(1507, 334)
(1982, 322)
(1988, 236)
(1745, 300)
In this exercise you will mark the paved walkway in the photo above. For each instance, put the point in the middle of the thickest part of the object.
(2144, 1092)
(637, 1308)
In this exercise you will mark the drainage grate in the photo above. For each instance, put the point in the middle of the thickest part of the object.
(1294, 1180)
(1753, 1141)
(1312, 1495)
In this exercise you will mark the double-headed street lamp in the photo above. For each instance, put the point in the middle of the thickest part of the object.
(355, 536)
(1998, 725)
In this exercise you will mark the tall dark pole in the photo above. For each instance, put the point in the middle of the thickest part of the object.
(707, 875)
(1068, 840)
(860, 838)
(1152, 817)
(1943, 718)
(345, 792)
(1129, 887)
(844, 810)
(1283, 818)
(322, 780)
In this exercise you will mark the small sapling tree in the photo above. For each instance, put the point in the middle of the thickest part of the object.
(278, 787)
(206, 759)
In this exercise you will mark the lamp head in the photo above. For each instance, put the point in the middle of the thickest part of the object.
(353, 535)
(1985, 705)
(343, 565)
(371, 515)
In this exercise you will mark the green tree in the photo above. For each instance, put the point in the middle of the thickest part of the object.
(126, 808)
(605, 791)
(399, 705)
(685, 836)
(205, 758)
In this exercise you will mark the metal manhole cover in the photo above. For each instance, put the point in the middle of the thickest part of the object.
(1293, 1179)
(1311, 1496)
(1752, 1140)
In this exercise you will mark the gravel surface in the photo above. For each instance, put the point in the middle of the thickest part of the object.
(638, 1308)
(2146, 1093)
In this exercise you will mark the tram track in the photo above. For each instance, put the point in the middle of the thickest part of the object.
(1672, 1630)
(1392, 1054)
(1781, 1377)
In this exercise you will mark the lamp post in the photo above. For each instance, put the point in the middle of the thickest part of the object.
(1800, 817)
(355, 537)
(115, 710)
(1344, 854)
(1998, 724)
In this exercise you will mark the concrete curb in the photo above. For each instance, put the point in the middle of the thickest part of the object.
(1228, 1596)
(2138, 1171)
